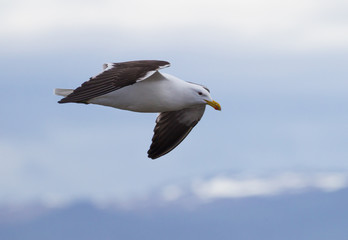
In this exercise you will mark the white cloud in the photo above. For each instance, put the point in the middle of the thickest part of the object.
(230, 187)
(292, 24)
(330, 182)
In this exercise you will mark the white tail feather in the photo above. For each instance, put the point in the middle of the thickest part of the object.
(63, 92)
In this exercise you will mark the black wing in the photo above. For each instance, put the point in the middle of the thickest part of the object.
(172, 128)
(115, 76)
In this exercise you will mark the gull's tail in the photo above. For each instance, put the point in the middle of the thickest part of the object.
(63, 92)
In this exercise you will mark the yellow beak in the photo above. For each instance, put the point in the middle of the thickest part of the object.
(214, 104)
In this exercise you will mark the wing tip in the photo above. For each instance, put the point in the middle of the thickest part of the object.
(165, 65)
(154, 156)
(68, 100)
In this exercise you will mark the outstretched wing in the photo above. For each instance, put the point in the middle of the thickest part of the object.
(172, 128)
(114, 76)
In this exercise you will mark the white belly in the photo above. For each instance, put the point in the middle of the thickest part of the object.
(145, 96)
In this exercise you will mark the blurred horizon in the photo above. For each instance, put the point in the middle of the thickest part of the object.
(300, 215)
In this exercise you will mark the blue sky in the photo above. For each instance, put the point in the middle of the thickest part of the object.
(277, 68)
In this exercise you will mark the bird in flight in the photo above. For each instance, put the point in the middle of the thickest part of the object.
(139, 86)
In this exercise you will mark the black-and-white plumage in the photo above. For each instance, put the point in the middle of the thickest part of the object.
(172, 128)
(114, 77)
(139, 86)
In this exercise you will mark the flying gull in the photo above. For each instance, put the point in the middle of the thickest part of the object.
(139, 86)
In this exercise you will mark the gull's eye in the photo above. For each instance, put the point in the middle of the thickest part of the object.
(200, 93)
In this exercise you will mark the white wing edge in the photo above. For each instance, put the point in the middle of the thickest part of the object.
(150, 73)
(107, 66)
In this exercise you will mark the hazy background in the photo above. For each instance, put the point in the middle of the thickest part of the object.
(278, 69)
